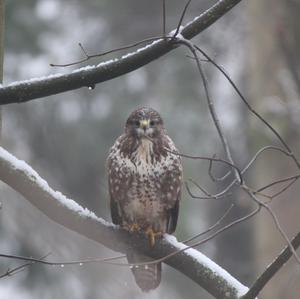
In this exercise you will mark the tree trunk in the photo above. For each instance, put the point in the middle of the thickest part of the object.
(268, 75)
(2, 25)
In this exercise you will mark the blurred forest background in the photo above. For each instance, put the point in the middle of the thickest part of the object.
(66, 137)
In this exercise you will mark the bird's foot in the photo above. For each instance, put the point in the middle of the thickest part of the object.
(132, 227)
(151, 235)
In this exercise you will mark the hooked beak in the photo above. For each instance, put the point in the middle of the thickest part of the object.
(145, 124)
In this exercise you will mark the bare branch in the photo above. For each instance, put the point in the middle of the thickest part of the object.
(272, 269)
(283, 189)
(68, 213)
(228, 226)
(250, 108)
(275, 220)
(219, 221)
(32, 260)
(20, 268)
(239, 174)
(216, 233)
(89, 76)
(164, 18)
(225, 191)
(227, 150)
(209, 196)
(214, 178)
(91, 56)
(181, 18)
(259, 152)
(211, 107)
(291, 180)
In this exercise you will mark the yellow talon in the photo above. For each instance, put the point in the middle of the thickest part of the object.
(132, 227)
(151, 236)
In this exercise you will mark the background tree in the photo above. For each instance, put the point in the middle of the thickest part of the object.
(274, 89)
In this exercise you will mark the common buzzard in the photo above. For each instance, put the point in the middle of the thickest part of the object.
(145, 179)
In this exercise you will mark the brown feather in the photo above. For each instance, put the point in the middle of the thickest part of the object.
(145, 182)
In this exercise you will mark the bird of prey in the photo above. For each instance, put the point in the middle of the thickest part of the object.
(145, 180)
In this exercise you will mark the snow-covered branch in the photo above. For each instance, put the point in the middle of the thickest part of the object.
(27, 90)
(22, 178)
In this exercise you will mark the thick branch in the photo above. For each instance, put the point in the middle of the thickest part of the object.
(272, 269)
(41, 87)
(22, 178)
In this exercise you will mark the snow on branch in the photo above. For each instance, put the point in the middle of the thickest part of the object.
(27, 90)
(213, 271)
(25, 180)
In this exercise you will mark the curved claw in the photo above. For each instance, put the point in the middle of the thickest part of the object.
(132, 227)
(152, 235)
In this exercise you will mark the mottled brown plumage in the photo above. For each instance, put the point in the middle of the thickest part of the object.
(145, 181)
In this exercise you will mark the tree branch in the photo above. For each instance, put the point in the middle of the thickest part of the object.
(272, 269)
(22, 178)
(24, 91)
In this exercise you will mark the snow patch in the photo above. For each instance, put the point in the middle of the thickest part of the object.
(141, 49)
(20, 165)
(104, 63)
(171, 33)
(58, 75)
(204, 260)
(84, 68)
(194, 20)
(32, 80)
(91, 67)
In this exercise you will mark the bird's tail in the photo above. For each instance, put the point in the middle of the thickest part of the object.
(147, 277)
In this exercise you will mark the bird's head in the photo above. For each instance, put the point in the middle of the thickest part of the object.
(144, 122)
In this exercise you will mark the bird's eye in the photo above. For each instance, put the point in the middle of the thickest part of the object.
(152, 123)
(136, 123)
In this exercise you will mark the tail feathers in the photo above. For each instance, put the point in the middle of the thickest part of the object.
(147, 277)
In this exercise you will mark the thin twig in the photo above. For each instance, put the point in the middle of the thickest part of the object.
(164, 17)
(181, 19)
(270, 197)
(219, 221)
(196, 244)
(283, 189)
(90, 56)
(20, 268)
(64, 263)
(209, 196)
(291, 181)
(252, 110)
(239, 174)
(243, 171)
(259, 152)
(272, 269)
(213, 177)
(224, 141)
(164, 36)
(275, 220)
(230, 185)
(110, 260)
(294, 177)
(221, 230)
(83, 50)
(210, 103)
